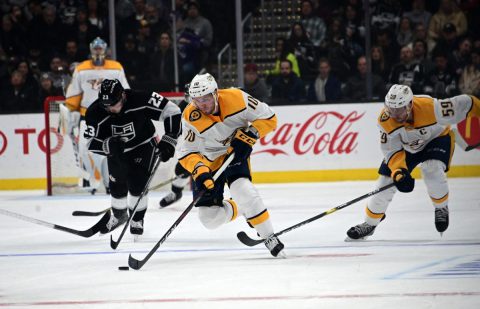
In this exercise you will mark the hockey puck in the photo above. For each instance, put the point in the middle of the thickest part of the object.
(123, 268)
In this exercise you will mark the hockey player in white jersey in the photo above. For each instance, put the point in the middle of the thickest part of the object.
(216, 122)
(81, 93)
(415, 130)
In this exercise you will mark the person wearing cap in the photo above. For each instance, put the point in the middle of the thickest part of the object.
(254, 85)
(81, 92)
(448, 12)
(119, 126)
(47, 88)
(415, 130)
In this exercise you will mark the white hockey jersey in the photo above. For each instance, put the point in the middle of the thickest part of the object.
(206, 138)
(431, 118)
(87, 78)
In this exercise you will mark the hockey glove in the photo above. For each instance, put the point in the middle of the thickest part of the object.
(202, 176)
(166, 148)
(113, 146)
(403, 180)
(242, 144)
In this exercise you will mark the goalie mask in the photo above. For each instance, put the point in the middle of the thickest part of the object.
(203, 92)
(98, 50)
(111, 92)
(398, 102)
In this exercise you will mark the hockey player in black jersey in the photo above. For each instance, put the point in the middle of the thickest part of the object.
(119, 126)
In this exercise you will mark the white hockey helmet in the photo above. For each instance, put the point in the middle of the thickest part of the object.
(202, 84)
(398, 96)
(98, 51)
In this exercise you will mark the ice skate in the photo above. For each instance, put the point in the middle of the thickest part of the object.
(170, 198)
(118, 218)
(360, 231)
(441, 219)
(275, 246)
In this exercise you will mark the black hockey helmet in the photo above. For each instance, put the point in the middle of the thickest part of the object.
(111, 92)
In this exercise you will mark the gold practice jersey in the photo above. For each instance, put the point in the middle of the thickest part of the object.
(431, 118)
(86, 81)
(206, 138)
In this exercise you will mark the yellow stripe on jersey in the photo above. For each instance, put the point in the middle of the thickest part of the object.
(452, 148)
(259, 219)
(397, 160)
(372, 214)
(475, 109)
(108, 65)
(73, 103)
(265, 126)
(439, 200)
(423, 112)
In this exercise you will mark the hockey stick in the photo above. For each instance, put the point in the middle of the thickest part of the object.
(137, 264)
(246, 240)
(114, 243)
(86, 233)
(471, 147)
(78, 213)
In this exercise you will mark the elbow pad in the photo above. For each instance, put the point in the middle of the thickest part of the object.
(173, 125)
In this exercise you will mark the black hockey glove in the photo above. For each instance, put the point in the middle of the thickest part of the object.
(113, 146)
(166, 148)
(403, 180)
(202, 175)
(242, 144)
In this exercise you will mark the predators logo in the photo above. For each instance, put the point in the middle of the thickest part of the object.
(384, 117)
(195, 115)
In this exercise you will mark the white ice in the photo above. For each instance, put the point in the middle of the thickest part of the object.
(405, 264)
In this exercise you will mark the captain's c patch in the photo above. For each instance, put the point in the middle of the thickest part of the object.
(195, 115)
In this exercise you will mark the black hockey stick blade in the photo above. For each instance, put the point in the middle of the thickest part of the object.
(246, 240)
(81, 213)
(137, 264)
(86, 233)
(472, 147)
(89, 232)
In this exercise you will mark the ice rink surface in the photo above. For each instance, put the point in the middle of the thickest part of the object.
(405, 264)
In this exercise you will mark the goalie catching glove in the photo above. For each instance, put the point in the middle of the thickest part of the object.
(166, 148)
(202, 175)
(403, 180)
(243, 142)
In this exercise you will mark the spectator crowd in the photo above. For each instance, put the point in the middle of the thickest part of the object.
(432, 46)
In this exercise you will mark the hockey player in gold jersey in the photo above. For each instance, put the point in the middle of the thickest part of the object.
(415, 130)
(81, 93)
(217, 122)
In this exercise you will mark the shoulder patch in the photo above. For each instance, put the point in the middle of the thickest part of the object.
(195, 115)
(384, 116)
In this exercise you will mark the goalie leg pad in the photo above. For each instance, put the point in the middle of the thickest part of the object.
(378, 204)
(251, 206)
(436, 182)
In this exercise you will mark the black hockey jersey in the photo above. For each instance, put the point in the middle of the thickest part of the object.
(133, 123)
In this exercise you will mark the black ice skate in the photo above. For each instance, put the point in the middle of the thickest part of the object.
(170, 198)
(275, 246)
(119, 217)
(441, 219)
(136, 227)
(360, 231)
